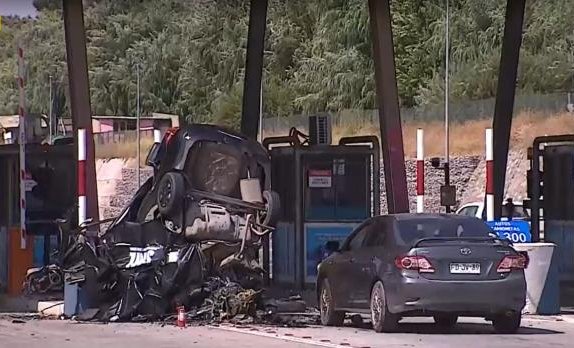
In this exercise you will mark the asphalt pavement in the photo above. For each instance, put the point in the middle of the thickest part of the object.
(469, 333)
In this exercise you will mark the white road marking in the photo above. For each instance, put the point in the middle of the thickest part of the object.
(554, 318)
(283, 337)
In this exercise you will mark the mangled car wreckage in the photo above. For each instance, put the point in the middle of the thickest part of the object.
(193, 227)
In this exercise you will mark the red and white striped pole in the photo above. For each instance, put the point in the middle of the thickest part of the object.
(420, 171)
(156, 136)
(22, 145)
(489, 175)
(82, 209)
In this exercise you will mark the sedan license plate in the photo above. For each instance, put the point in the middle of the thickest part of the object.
(465, 268)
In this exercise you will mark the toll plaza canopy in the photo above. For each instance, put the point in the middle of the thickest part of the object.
(386, 86)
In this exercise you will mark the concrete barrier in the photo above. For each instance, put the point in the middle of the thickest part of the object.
(51, 308)
(542, 279)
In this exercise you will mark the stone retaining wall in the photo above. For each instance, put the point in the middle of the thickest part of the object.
(467, 173)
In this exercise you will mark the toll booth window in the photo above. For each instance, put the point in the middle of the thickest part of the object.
(338, 192)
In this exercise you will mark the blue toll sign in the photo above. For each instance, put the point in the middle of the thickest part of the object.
(515, 231)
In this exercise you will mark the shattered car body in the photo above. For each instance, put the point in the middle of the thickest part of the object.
(200, 217)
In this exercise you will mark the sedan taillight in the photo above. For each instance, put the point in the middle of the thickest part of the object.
(509, 263)
(414, 263)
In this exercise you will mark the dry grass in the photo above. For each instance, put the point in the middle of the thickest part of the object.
(465, 138)
(123, 149)
(468, 138)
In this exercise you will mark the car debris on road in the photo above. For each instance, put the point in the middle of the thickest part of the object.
(190, 237)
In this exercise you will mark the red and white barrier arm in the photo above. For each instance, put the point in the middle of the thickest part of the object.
(489, 175)
(156, 136)
(82, 209)
(420, 171)
(22, 145)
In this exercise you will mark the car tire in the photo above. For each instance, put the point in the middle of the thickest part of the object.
(507, 323)
(446, 321)
(329, 316)
(170, 193)
(382, 319)
(273, 208)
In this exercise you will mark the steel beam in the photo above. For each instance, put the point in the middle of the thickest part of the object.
(389, 111)
(254, 68)
(80, 93)
(505, 94)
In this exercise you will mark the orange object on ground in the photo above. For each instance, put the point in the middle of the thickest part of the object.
(19, 261)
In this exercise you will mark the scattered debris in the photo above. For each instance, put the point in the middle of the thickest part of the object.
(190, 238)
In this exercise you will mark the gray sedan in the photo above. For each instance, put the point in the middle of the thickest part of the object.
(409, 265)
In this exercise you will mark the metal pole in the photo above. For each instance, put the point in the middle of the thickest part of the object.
(138, 123)
(489, 176)
(22, 145)
(260, 133)
(82, 211)
(50, 125)
(388, 104)
(420, 171)
(79, 88)
(157, 136)
(253, 67)
(505, 93)
(446, 95)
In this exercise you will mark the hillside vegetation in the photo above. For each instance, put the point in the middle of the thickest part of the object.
(317, 55)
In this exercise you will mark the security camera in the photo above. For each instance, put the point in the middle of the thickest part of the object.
(435, 162)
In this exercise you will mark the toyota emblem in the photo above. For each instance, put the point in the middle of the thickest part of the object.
(465, 251)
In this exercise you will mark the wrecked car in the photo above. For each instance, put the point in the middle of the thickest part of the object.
(200, 217)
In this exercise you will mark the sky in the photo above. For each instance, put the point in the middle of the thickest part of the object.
(21, 8)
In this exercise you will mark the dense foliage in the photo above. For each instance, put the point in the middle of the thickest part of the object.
(317, 55)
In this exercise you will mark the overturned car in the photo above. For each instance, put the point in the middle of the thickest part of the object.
(196, 224)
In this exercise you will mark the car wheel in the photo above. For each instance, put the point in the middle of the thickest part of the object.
(507, 323)
(170, 192)
(446, 321)
(382, 319)
(273, 208)
(329, 316)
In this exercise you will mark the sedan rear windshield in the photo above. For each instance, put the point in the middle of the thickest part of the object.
(411, 230)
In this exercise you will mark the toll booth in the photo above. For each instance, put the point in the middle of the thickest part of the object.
(326, 190)
(50, 180)
(550, 182)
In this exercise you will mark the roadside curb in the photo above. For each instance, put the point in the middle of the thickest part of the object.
(554, 318)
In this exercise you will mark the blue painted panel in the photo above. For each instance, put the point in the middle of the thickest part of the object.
(283, 253)
(561, 233)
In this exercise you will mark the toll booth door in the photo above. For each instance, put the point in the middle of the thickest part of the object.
(558, 198)
(338, 196)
